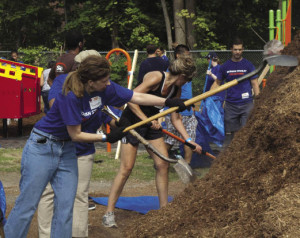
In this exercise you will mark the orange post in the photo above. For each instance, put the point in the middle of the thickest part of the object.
(264, 82)
(128, 63)
(286, 24)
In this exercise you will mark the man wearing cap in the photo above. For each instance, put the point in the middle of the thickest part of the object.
(212, 72)
(85, 155)
(65, 63)
(239, 98)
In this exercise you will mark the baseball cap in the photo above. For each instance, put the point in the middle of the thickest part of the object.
(83, 54)
(211, 55)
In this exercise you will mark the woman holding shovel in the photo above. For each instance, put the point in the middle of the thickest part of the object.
(164, 84)
(49, 154)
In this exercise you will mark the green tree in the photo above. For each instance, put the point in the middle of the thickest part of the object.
(24, 23)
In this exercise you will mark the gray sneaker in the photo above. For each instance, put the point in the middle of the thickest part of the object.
(108, 220)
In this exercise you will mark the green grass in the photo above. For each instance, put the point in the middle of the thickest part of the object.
(105, 166)
(10, 160)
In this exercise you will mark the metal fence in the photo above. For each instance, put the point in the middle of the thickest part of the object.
(119, 73)
(255, 56)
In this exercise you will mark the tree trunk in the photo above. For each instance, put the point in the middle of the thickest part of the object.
(179, 22)
(114, 33)
(65, 11)
(168, 24)
(190, 35)
(114, 37)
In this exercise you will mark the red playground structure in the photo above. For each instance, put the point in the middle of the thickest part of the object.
(20, 92)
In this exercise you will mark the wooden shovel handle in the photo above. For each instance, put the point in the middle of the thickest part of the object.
(187, 103)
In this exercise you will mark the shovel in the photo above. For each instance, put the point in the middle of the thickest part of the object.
(187, 143)
(181, 167)
(278, 60)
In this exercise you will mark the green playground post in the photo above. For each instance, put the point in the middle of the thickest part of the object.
(271, 25)
(278, 23)
(271, 30)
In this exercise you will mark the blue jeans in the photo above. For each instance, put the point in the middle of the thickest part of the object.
(45, 161)
(45, 100)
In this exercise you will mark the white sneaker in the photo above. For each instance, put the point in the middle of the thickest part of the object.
(108, 220)
(92, 206)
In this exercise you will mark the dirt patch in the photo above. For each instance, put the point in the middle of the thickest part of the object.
(252, 190)
(97, 189)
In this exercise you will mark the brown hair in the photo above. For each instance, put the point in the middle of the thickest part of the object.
(183, 65)
(92, 68)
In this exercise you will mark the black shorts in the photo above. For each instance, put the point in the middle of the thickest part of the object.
(144, 131)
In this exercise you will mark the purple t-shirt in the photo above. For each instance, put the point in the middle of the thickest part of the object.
(230, 70)
(152, 64)
(70, 110)
(90, 125)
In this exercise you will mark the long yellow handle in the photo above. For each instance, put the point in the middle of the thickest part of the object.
(187, 103)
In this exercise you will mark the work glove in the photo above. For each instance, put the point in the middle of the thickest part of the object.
(177, 102)
(123, 121)
(116, 134)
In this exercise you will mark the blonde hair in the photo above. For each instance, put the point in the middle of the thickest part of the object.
(91, 68)
(183, 65)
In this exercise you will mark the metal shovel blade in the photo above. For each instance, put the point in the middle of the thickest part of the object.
(282, 60)
(184, 171)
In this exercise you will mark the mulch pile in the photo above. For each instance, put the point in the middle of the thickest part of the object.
(253, 188)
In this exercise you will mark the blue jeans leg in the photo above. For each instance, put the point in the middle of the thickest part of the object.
(64, 185)
(36, 170)
(45, 100)
(53, 162)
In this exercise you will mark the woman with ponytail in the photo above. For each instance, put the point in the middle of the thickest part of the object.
(49, 154)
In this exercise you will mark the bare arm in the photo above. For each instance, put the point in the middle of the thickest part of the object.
(176, 120)
(147, 99)
(51, 102)
(216, 84)
(151, 81)
(78, 136)
(42, 81)
(140, 96)
(255, 87)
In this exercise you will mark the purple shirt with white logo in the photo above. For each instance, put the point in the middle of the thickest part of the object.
(230, 70)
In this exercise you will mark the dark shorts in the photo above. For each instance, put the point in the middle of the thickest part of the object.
(146, 132)
(236, 116)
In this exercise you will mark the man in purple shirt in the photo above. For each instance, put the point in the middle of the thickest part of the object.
(152, 63)
(239, 99)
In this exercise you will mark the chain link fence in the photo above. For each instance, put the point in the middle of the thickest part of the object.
(255, 56)
(119, 68)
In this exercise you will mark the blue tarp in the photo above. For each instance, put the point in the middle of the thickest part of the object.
(2, 204)
(210, 129)
(212, 119)
(141, 204)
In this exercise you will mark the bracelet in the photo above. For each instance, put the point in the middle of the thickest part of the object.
(103, 139)
(188, 139)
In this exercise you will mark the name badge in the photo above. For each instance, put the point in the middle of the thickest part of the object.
(245, 95)
(95, 102)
